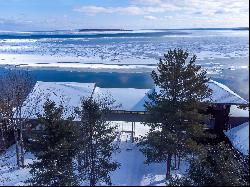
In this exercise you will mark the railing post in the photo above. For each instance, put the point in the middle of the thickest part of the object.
(132, 132)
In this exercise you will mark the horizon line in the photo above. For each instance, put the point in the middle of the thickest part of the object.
(123, 29)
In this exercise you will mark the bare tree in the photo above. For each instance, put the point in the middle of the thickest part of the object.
(15, 85)
(3, 133)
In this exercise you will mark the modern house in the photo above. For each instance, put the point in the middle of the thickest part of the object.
(131, 101)
(224, 113)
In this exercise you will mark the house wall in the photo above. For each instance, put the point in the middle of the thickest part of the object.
(127, 116)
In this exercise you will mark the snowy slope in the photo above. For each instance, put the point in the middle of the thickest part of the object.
(239, 136)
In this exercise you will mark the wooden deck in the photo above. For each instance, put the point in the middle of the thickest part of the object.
(128, 116)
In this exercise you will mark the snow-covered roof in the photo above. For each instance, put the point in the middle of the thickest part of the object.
(237, 112)
(223, 94)
(130, 99)
(133, 99)
(68, 94)
(239, 136)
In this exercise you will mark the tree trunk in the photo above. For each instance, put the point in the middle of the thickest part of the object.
(20, 124)
(175, 162)
(179, 162)
(92, 165)
(2, 137)
(168, 174)
(79, 162)
(132, 137)
(92, 181)
(92, 171)
(21, 146)
(17, 148)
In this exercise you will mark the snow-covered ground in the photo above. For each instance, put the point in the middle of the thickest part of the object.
(9, 174)
(131, 172)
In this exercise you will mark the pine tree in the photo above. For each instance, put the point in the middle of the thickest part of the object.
(54, 149)
(174, 118)
(96, 142)
(218, 165)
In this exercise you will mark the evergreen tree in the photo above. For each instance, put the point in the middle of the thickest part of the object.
(54, 149)
(96, 142)
(174, 119)
(218, 165)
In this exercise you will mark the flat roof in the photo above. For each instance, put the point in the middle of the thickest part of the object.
(130, 99)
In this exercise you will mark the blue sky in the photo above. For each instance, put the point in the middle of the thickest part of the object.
(124, 14)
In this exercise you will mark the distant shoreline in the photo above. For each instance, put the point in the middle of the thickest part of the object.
(102, 30)
(110, 30)
(233, 28)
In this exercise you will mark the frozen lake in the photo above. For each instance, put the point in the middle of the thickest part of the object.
(126, 58)
(76, 49)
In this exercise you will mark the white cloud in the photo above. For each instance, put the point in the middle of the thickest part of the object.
(142, 7)
(168, 17)
(92, 10)
(217, 11)
(150, 17)
(212, 7)
(147, 2)
(130, 10)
